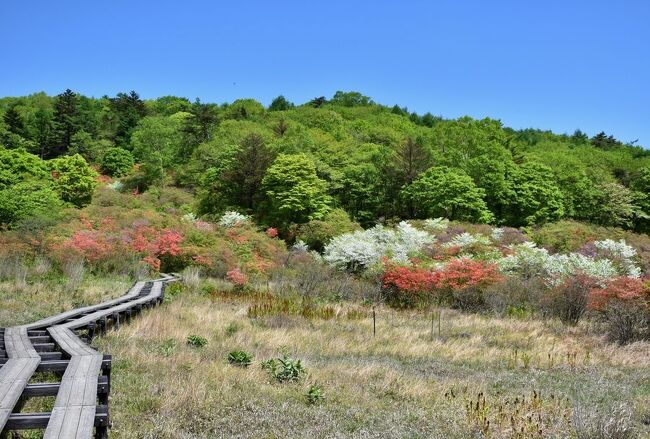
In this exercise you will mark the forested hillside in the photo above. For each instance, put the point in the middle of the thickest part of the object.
(289, 164)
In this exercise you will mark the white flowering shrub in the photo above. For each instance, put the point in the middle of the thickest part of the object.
(232, 219)
(526, 261)
(189, 217)
(620, 254)
(561, 266)
(117, 186)
(529, 261)
(436, 224)
(300, 247)
(362, 249)
(619, 249)
(466, 239)
(497, 234)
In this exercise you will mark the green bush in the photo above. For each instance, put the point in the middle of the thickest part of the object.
(314, 394)
(318, 233)
(240, 358)
(28, 199)
(196, 341)
(284, 369)
(117, 162)
(73, 179)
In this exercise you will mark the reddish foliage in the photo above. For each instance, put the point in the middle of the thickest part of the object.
(409, 279)
(152, 261)
(202, 260)
(462, 273)
(624, 289)
(456, 275)
(168, 243)
(233, 234)
(237, 277)
(272, 232)
(87, 244)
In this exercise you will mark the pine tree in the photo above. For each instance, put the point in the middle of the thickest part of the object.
(198, 126)
(129, 109)
(65, 123)
(14, 121)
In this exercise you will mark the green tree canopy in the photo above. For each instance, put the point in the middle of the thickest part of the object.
(18, 165)
(27, 199)
(74, 180)
(294, 191)
(447, 192)
(536, 198)
(117, 162)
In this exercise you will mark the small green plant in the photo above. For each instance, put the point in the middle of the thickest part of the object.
(314, 394)
(231, 329)
(196, 341)
(284, 369)
(240, 358)
(168, 347)
(174, 289)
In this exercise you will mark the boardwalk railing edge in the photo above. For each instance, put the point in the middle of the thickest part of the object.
(61, 344)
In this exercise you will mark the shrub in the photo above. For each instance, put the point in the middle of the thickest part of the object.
(284, 369)
(360, 250)
(117, 162)
(196, 341)
(232, 219)
(407, 287)
(318, 233)
(568, 300)
(28, 199)
(314, 394)
(238, 279)
(240, 358)
(73, 179)
(514, 296)
(463, 280)
(623, 307)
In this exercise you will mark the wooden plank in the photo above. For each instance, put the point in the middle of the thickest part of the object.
(25, 421)
(16, 372)
(75, 411)
(133, 292)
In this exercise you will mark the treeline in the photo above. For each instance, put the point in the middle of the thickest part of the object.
(293, 164)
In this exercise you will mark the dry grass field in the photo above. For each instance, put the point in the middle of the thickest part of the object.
(481, 377)
(471, 376)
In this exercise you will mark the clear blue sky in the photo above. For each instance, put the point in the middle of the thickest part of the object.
(549, 64)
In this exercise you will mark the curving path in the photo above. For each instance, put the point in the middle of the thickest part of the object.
(60, 344)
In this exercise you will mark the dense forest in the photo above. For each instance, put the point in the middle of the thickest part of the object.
(333, 161)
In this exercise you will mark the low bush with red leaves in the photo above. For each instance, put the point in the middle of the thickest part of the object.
(622, 305)
(459, 283)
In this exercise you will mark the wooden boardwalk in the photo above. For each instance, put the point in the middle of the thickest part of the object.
(60, 344)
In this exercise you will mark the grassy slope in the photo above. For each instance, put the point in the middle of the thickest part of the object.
(24, 302)
(397, 384)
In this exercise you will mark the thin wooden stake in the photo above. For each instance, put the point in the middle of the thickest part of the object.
(374, 322)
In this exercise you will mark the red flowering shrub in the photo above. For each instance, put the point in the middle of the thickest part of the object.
(620, 289)
(238, 279)
(407, 287)
(272, 232)
(464, 273)
(409, 279)
(623, 307)
(461, 283)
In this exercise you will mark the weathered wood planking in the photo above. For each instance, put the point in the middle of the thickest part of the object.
(76, 412)
(76, 401)
(15, 374)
